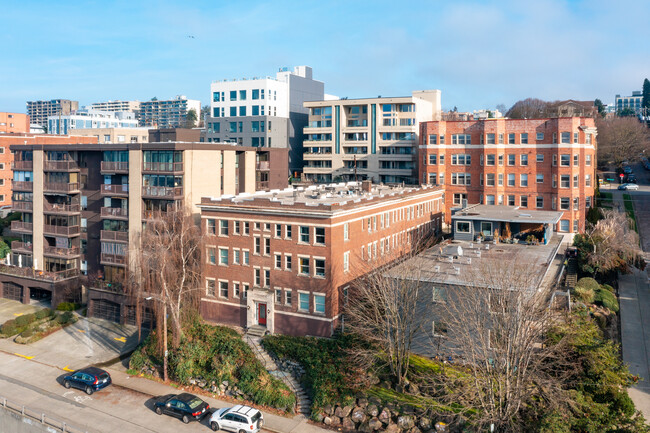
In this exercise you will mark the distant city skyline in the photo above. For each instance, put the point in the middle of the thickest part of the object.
(479, 53)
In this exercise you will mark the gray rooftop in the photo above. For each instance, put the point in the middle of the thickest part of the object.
(513, 214)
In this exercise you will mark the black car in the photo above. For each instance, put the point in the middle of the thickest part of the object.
(185, 406)
(630, 178)
(89, 379)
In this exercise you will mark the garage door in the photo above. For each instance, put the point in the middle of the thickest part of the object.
(107, 310)
(13, 291)
(146, 318)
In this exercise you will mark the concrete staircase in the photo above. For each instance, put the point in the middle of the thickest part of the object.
(253, 337)
(571, 273)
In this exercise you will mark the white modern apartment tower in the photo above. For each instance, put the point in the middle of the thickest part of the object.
(374, 138)
(88, 118)
(264, 112)
(117, 106)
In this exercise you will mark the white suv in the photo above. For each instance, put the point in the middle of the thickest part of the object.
(239, 419)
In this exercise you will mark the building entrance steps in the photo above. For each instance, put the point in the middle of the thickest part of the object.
(303, 403)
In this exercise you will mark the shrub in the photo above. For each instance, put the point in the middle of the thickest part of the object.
(25, 320)
(9, 328)
(67, 306)
(27, 333)
(607, 287)
(606, 299)
(42, 314)
(65, 318)
(588, 283)
(584, 295)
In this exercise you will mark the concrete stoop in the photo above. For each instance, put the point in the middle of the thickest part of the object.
(253, 337)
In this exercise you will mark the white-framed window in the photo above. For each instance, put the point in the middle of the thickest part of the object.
(303, 301)
(511, 179)
(588, 158)
(223, 227)
(523, 160)
(287, 262)
(278, 261)
(564, 203)
(523, 179)
(463, 226)
(246, 257)
(247, 228)
(278, 295)
(223, 256)
(539, 202)
(211, 227)
(246, 286)
(539, 136)
(319, 235)
(211, 255)
(319, 303)
(210, 287)
(587, 180)
(346, 261)
(223, 289)
(523, 201)
(304, 234)
(539, 157)
(257, 244)
(346, 231)
(539, 178)
(303, 265)
(278, 230)
(287, 231)
(235, 227)
(319, 267)
(565, 181)
(236, 289)
(564, 225)
(236, 256)
(287, 296)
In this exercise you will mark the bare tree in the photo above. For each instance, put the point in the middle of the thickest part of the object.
(610, 243)
(167, 268)
(497, 324)
(621, 139)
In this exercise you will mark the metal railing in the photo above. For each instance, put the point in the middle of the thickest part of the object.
(38, 275)
(22, 206)
(51, 423)
(114, 212)
(21, 225)
(60, 165)
(113, 259)
(61, 230)
(115, 189)
(22, 185)
(162, 166)
(63, 252)
(23, 165)
(162, 191)
(114, 166)
(25, 246)
(56, 207)
(61, 186)
(113, 235)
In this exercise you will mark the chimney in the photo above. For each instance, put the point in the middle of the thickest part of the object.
(366, 185)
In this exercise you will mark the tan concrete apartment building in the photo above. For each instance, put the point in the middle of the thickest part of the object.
(115, 135)
(543, 164)
(374, 138)
(282, 259)
(39, 111)
(16, 123)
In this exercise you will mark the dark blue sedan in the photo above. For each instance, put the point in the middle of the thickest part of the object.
(185, 406)
(89, 379)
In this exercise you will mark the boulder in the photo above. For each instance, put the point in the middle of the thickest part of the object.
(392, 428)
(327, 420)
(441, 427)
(342, 412)
(424, 423)
(362, 402)
(225, 383)
(365, 428)
(348, 425)
(414, 430)
(372, 410)
(358, 415)
(319, 417)
(385, 415)
(328, 409)
(336, 421)
(405, 422)
(374, 424)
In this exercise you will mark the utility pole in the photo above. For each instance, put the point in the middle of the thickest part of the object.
(165, 341)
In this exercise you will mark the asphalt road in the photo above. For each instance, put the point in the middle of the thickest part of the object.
(113, 409)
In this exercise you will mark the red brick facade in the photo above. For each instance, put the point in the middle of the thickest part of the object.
(547, 164)
(297, 274)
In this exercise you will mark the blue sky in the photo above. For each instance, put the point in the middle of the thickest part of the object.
(479, 53)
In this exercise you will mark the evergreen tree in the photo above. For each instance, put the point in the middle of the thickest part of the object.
(646, 94)
(600, 106)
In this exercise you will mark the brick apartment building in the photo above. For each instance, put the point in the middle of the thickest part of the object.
(13, 123)
(281, 259)
(544, 164)
(83, 205)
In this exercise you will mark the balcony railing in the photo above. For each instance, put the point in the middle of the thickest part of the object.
(22, 206)
(49, 229)
(162, 191)
(22, 246)
(61, 186)
(162, 166)
(262, 185)
(263, 165)
(112, 235)
(114, 212)
(23, 165)
(60, 165)
(62, 208)
(21, 226)
(112, 259)
(61, 252)
(39, 275)
(115, 189)
(114, 166)
(22, 185)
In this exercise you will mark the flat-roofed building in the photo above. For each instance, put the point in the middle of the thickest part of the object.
(171, 113)
(133, 106)
(40, 111)
(14, 123)
(115, 135)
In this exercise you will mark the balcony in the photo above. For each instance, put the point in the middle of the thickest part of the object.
(22, 206)
(60, 166)
(112, 235)
(114, 212)
(112, 259)
(263, 165)
(115, 166)
(51, 230)
(61, 208)
(61, 252)
(23, 165)
(122, 190)
(163, 166)
(39, 275)
(262, 185)
(20, 185)
(22, 247)
(21, 226)
(64, 187)
(162, 192)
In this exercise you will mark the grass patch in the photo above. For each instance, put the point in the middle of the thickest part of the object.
(629, 210)
(606, 195)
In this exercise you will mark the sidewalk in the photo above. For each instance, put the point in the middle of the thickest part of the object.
(634, 297)
(274, 423)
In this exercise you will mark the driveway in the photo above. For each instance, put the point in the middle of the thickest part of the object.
(11, 309)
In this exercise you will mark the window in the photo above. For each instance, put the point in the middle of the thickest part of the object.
(235, 289)
(501, 159)
(287, 262)
(588, 180)
(246, 257)
(223, 289)
(304, 265)
(278, 296)
(303, 301)
(540, 157)
(212, 256)
(258, 276)
(211, 226)
(489, 179)
(278, 230)
(258, 245)
(566, 137)
(461, 159)
(433, 139)
(564, 203)
(442, 139)
(235, 227)
(242, 95)
(511, 138)
(278, 261)
(523, 159)
(319, 264)
(588, 202)
(523, 201)
(210, 287)
(540, 178)
(540, 136)
(346, 261)
(247, 228)
(287, 232)
(575, 181)
(461, 139)
(319, 304)
(511, 179)
(511, 159)
(500, 138)
(462, 226)
(490, 139)
(587, 159)
(524, 138)
(233, 112)
(233, 95)
(257, 226)
(223, 227)
(267, 246)
(564, 225)
(565, 160)
(555, 181)
(441, 160)
(433, 159)
(539, 202)
(576, 160)
(223, 256)
(458, 198)
(267, 227)
(255, 94)
(304, 234)
(489, 199)
(236, 256)
(490, 158)
(460, 178)
(511, 200)
(554, 159)
(576, 203)
(564, 181)
(346, 231)
(575, 225)
(575, 137)
(554, 137)
(287, 297)
(319, 233)
(267, 277)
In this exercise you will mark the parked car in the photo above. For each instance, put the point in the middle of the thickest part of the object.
(89, 379)
(186, 407)
(630, 178)
(627, 186)
(237, 419)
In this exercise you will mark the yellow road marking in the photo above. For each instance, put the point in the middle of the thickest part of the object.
(66, 368)
(18, 314)
(122, 339)
(23, 356)
(81, 330)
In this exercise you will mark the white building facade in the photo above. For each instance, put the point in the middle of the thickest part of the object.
(117, 106)
(88, 118)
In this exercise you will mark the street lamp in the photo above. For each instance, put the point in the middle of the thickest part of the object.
(149, 298)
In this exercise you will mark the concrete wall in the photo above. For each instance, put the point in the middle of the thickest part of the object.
(39, 218)
(13, 422)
